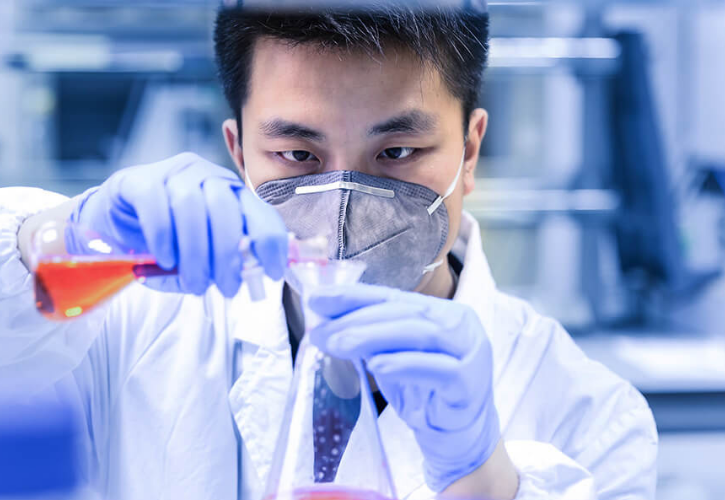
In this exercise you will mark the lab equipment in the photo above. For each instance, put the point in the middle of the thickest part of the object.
(68, 285)
(433, 362)
(38, 450)
(330, 415)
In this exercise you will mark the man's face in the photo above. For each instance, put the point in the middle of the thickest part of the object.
(310, 111)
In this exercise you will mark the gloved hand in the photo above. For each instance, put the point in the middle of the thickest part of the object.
(432, 361)
(188, 213)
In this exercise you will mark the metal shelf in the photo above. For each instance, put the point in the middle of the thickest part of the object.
(527, 206)
(592, 55)
(97, 52)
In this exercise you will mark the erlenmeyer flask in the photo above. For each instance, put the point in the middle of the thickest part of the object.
(329, 447)
(71, 283)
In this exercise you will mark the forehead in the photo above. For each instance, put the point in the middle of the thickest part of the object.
(310, 79)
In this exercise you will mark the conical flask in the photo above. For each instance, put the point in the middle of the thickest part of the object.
(329, 447)
(76, 269)
(69, 283)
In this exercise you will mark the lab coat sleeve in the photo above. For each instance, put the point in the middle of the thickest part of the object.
(621, 465)
(545, 473)
(34, 353)
(596, 437)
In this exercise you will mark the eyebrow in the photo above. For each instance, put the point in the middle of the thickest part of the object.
(283, 129)
(412, 122)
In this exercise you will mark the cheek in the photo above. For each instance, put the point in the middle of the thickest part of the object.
(260, 167)
(454, 217)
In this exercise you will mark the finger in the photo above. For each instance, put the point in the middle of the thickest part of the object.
(123, 222)
(192, 232)
(375, 313)
(225, 225)
(196, 169)
(154, 216)
(406, 335)
(434, 370)
(445, 328)
(336, 301)
(268, 233)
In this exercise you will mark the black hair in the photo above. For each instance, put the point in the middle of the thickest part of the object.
(454, 42)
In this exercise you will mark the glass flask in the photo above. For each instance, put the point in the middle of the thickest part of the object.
(68, 285)
(329, 447)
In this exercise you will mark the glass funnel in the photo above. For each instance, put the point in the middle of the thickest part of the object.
(329, 447)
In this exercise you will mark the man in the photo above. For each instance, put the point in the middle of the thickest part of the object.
(363, 126)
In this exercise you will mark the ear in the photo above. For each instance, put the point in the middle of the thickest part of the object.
(478, 121)
(234, 145)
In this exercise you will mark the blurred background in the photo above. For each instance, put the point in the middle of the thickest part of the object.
(602, 177)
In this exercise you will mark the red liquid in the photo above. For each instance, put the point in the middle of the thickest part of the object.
(68, 288)
(328, 492)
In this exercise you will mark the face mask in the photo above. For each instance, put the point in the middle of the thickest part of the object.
(397, 228)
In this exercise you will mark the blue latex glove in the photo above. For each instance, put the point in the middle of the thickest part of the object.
(432, 361)
(188, 213)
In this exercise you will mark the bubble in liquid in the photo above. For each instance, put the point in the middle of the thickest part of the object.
(320, 475)
(320, 428)
(336, 438)
(322, 439)
(334, 451)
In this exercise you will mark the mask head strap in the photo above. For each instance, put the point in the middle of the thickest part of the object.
(432, 267)
(248, 182)
(434, 206)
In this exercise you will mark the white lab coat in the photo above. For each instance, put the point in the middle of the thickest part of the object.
(182, 396)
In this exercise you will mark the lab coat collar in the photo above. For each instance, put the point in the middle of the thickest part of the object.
(475, 284)
(477, 289)
(257, 398)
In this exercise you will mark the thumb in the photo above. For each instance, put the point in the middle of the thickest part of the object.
(267, 232)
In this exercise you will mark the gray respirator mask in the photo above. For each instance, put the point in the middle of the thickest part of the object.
(397, 228)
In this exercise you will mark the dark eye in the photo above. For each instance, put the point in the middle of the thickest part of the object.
(397, 153)
(298, 155)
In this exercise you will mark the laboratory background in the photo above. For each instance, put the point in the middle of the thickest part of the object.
(601, 190)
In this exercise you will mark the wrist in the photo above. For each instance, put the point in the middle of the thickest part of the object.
(495, 479)
(452, 455)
